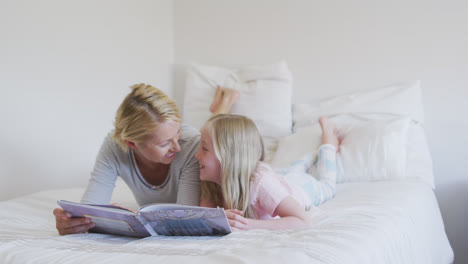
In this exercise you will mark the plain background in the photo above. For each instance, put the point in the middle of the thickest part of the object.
(65, 66)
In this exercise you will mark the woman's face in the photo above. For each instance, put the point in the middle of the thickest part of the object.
(210, 167)
(162, 146)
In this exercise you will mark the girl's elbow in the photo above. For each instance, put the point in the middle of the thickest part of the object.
(306, 222)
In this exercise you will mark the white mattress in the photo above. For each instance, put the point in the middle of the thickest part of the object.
(381, 222)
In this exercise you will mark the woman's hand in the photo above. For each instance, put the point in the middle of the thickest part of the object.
(236, 220)
(67, 225)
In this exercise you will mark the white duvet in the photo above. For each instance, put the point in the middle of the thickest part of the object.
(380, 222)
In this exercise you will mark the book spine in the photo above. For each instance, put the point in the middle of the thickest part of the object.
(146, 225)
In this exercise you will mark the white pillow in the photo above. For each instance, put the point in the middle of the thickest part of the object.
(397, 99)
(265, 96)
(371, 150)
(308, 139)
(294, 147)
(378, 104)
(419, 160)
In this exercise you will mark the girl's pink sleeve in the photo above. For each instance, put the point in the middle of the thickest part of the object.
(270, 192)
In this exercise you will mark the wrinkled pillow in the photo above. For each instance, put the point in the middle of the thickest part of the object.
(399, 99)
(419, 160)
(374, 151)
(265, 97)
(371, 150)
(396, 99)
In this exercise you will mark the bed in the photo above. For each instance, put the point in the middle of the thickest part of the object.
(372, 222)
(384, 211)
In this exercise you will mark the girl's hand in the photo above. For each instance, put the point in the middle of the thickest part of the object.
(236, 220)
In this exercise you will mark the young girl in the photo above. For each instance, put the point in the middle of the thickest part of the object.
(253, 194)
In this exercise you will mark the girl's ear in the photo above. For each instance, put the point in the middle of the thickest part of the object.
(130, 144)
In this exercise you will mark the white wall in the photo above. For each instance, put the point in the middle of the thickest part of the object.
(65, 66)
(334, 47)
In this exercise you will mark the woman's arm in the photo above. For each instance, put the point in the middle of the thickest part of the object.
(292, 216)
(99, 191)
(104, 174)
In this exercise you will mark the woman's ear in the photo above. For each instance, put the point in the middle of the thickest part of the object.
(130, 144)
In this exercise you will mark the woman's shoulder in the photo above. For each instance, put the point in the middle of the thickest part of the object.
(110, 143)
(189, 132)
(190, 138)
(111, 148)
(189, 144)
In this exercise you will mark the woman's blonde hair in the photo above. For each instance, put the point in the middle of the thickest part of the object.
(141, 112)
(238, 146)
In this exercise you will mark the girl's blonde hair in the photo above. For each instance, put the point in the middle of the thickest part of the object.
(238, 146)
(141, 112)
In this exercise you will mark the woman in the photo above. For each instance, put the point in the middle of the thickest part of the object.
(150, 150)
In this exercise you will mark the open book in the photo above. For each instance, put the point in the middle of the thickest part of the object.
(152, 219)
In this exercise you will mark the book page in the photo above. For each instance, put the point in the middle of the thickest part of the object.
(155, 207)
(111, 224)
(191, 221)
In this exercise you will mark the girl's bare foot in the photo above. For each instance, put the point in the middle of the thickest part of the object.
(329, 132)
(230, 97)
(217, 99)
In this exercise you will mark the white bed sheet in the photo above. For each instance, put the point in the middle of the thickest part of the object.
(380, 222)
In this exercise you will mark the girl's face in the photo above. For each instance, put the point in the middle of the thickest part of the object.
(210, 167)
(162, 146)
